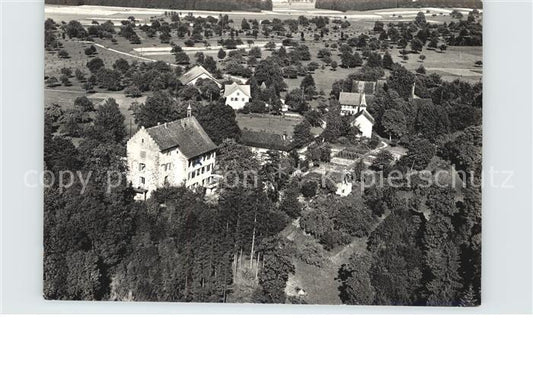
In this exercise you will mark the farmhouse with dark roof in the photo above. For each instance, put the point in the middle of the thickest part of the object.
(195, 73)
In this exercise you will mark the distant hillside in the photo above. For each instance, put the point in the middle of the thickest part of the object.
(344, 5)
(216, 5)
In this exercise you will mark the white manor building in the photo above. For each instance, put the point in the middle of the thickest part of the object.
(171, 154)
(237, 95)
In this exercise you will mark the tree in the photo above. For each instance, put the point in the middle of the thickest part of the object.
(397, 259)
(221, 54)
(109, 79)
(232, 156)
(296, 101)
(182, 58)
(121, 65)
(84, 103)
(95, 64)
(387, 61)
(90, 51)
(309, 188)
(308, 86)
(401, 80)
(210, 64)
(133, 91)
(349, 60)
(289, 203)
(383, 159)
(334, 65)
(109, 123)
(374, 60)
(421, 69)
(62, 54)
(218, 121)
(420, 153)
(302, 134)
(433, 43)
(416, 45)
(394, 123)
(275, 272)
(442, 255)
(64, 80)
(158, 108)
(356, 287)
(420, 19)
(270, 73)
(52, 82)
(80, 75)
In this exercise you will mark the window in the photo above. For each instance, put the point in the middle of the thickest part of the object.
(142, 166)
(209, 167)
(243, 99)
(193, 174)
(142, 140)
(143, 154)
(203, 170)
(142, 180)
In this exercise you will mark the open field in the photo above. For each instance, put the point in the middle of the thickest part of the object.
(271, 124)
(65, 96)
(457, 62)
(320, 283)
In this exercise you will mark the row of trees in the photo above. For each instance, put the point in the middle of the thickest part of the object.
(221, 5)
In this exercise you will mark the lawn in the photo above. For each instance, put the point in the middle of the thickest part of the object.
(271, 124)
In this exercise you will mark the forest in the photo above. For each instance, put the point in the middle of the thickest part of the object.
(345, 5)
(215, 5)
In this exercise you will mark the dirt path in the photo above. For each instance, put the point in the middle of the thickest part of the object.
(124, 53)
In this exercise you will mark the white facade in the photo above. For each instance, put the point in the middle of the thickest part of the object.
(348, 110)
(237, 95)
(365, 124)
(150, 167)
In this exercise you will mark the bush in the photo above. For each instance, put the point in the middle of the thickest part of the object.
(309, 189)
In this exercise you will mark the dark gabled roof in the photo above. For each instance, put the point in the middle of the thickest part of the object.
(194, 73)
(186, 134)
(264, 139)
(354, 98)
(350, 98)
(367, 87)
(364, 113)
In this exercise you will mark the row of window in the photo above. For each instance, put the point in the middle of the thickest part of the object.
(166, 166)
(205, 182)
(201, 159)
(237, 99)
(198, 172)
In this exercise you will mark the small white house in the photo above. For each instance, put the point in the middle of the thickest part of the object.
(237, 95)
(364, 122)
